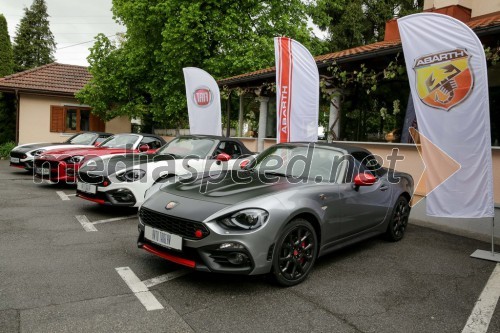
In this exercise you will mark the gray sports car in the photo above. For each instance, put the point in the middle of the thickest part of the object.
(290, 205)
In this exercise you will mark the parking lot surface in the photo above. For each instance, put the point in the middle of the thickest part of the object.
(58, 276)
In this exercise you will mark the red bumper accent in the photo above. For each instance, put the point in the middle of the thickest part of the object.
(99, 201)
(169, 257)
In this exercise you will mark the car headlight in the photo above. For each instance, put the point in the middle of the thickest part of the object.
(131, 175)
(246, 219)
(75, 159)
(37, 152)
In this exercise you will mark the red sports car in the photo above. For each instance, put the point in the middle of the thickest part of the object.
(62, 165)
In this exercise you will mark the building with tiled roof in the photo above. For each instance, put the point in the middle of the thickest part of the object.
(47, 108)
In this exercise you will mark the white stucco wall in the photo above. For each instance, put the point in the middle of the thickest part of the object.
(34, 119)
(478, 7)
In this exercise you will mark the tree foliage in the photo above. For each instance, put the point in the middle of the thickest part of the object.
(7, 102)
(350, 23)
(34, 43)
(6, 56)
(142, 73)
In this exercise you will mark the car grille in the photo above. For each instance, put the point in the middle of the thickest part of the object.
(174, 225)
(44, 163)
(17, 154)
(91, 178)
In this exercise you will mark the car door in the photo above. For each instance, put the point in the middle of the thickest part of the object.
(362, 207)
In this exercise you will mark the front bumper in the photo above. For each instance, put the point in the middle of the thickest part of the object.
(21, 160)
(218, 250)
(55, 171)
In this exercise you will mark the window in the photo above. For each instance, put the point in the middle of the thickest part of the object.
(73, 119)
(230, 148)
(152, 142)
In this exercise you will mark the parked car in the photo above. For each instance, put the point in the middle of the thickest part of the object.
(293, 203)
(123, 180)
(61, 165)
(22, 156)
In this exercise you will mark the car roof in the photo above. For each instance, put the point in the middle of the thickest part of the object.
(347, 148)
(217, 137)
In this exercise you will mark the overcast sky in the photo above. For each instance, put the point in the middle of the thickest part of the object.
(71, 21)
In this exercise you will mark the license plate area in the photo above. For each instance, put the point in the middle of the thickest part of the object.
(43, 171)
(14, 160)
(87, 188)
(163, 238)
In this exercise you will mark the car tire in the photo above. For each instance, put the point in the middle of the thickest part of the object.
(399, 220)
(294, 258)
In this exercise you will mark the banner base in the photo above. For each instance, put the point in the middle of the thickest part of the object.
(486, 255)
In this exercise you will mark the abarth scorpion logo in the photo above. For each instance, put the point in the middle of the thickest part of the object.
(171, 205)
(444, 79)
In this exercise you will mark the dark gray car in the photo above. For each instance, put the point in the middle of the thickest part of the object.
(293, 203)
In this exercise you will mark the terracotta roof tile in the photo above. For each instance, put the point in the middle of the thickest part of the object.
(478, 24)
(51, 78)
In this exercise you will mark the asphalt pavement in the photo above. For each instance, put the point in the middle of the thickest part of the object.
(57, 277)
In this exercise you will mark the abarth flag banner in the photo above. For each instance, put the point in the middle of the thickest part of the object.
(297, 92)
(203, 100)
(446, 68)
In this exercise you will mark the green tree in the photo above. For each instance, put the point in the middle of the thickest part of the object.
(34, 43)
(350, 23)
(143, 72)
(7, 102)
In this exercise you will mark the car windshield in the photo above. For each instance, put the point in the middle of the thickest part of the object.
(307, 162)
(127, 141)
(82, 139)
(182, 147)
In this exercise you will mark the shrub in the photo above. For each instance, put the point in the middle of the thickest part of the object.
(5, 149)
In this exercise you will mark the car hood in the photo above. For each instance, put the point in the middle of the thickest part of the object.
(228, 191)
(108, 165)
(31, 146)
(61, 154)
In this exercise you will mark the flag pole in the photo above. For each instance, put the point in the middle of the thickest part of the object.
(486, 255)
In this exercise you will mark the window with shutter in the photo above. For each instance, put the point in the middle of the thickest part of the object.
(74, 119)
(56, 118)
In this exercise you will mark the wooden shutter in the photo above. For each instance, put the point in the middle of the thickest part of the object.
(96, 123)
(56, 118)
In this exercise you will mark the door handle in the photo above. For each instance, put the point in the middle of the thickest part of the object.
(384, 188)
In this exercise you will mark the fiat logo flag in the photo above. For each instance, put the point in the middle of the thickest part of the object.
(203, 101)
(446, 69)
(202, 97)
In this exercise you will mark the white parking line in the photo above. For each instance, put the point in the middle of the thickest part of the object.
(64, 196)
(89, 226)
(164, 278)
(139, 289)
(86, 224)
(480, 317)
(115, 219)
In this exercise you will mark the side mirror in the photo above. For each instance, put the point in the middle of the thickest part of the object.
(223, 157)
(143, 148)
(244, 163)
(97, 144)
(364, 179)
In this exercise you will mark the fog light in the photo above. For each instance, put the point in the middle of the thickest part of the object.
(235, 246)
(237, 258)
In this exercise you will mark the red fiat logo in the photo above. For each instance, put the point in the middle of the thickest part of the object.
(202, 97)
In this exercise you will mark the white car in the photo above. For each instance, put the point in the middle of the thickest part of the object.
(22, 156)
(122, 180)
